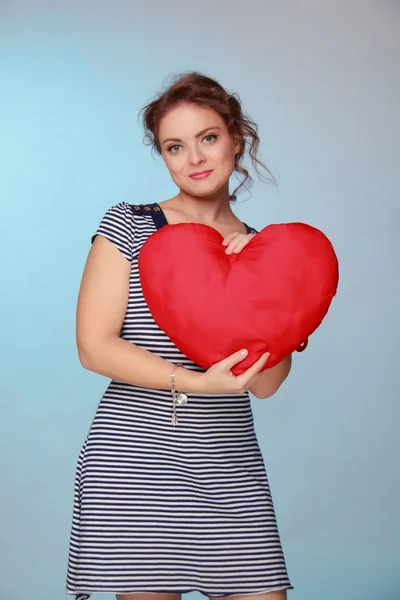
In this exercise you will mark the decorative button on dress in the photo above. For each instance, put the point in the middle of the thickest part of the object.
(164, 508)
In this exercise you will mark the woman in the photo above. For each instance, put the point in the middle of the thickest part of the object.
(165, 507)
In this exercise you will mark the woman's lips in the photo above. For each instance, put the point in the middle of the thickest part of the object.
(201, 175)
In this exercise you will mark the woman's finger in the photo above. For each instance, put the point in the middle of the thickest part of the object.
(237, 244)
(254, 369)
(240, 245)
(232, 360)
(229, 238)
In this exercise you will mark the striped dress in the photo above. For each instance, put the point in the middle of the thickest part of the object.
(164, 508)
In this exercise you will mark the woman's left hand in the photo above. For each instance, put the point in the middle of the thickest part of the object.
(235, 242)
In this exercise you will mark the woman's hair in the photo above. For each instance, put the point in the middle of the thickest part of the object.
(195, 88)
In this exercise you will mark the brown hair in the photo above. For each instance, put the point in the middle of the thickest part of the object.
(195, 88)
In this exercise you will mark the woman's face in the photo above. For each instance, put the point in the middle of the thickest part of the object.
(195, 139)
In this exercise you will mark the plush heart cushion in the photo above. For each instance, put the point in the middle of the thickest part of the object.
(269, 298)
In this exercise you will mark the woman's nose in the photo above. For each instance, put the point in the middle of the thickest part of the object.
(196, 156)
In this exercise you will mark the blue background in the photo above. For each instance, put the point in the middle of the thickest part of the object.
(322, 81)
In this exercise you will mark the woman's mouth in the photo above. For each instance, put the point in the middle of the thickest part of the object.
(200, 174)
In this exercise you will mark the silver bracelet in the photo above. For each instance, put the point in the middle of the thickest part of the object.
(177, 397)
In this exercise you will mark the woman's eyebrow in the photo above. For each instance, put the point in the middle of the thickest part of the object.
(197, 135)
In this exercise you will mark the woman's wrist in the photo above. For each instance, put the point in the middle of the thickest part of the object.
(188, 381)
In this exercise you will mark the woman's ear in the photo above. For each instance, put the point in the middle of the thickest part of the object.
(236, 147)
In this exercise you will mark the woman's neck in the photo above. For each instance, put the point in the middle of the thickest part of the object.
(208, 210)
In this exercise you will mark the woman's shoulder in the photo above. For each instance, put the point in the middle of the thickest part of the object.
(135, 215)
(127, 225)
(149, 213)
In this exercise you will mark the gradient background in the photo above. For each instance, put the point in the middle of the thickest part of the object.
(322, 80)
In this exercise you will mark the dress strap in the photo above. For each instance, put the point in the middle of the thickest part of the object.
(155, 211)
(151, 210)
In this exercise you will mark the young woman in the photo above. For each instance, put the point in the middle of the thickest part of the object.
(161, 508)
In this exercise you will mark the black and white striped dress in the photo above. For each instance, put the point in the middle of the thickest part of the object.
(164, 508)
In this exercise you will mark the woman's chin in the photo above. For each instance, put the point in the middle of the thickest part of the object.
(207, 192)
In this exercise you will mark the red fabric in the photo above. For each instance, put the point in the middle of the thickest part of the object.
(269, 298)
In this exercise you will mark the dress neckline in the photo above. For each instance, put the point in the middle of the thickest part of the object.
(160, 220)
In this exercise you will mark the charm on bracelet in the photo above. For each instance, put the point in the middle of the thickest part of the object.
(177, 397)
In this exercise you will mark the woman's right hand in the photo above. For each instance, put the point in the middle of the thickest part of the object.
(219, 378)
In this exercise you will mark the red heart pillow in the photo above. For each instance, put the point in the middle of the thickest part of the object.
(269, 298)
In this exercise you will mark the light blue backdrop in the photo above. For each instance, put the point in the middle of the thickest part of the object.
(322, 80)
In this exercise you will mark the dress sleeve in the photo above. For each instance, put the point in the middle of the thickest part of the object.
(117, 226)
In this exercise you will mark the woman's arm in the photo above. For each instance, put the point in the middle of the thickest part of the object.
(270, 380)
(102, 303)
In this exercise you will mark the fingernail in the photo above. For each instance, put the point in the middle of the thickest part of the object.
(243, 352)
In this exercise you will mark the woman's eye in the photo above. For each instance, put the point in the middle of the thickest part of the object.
(174, 146)
(211, 135)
